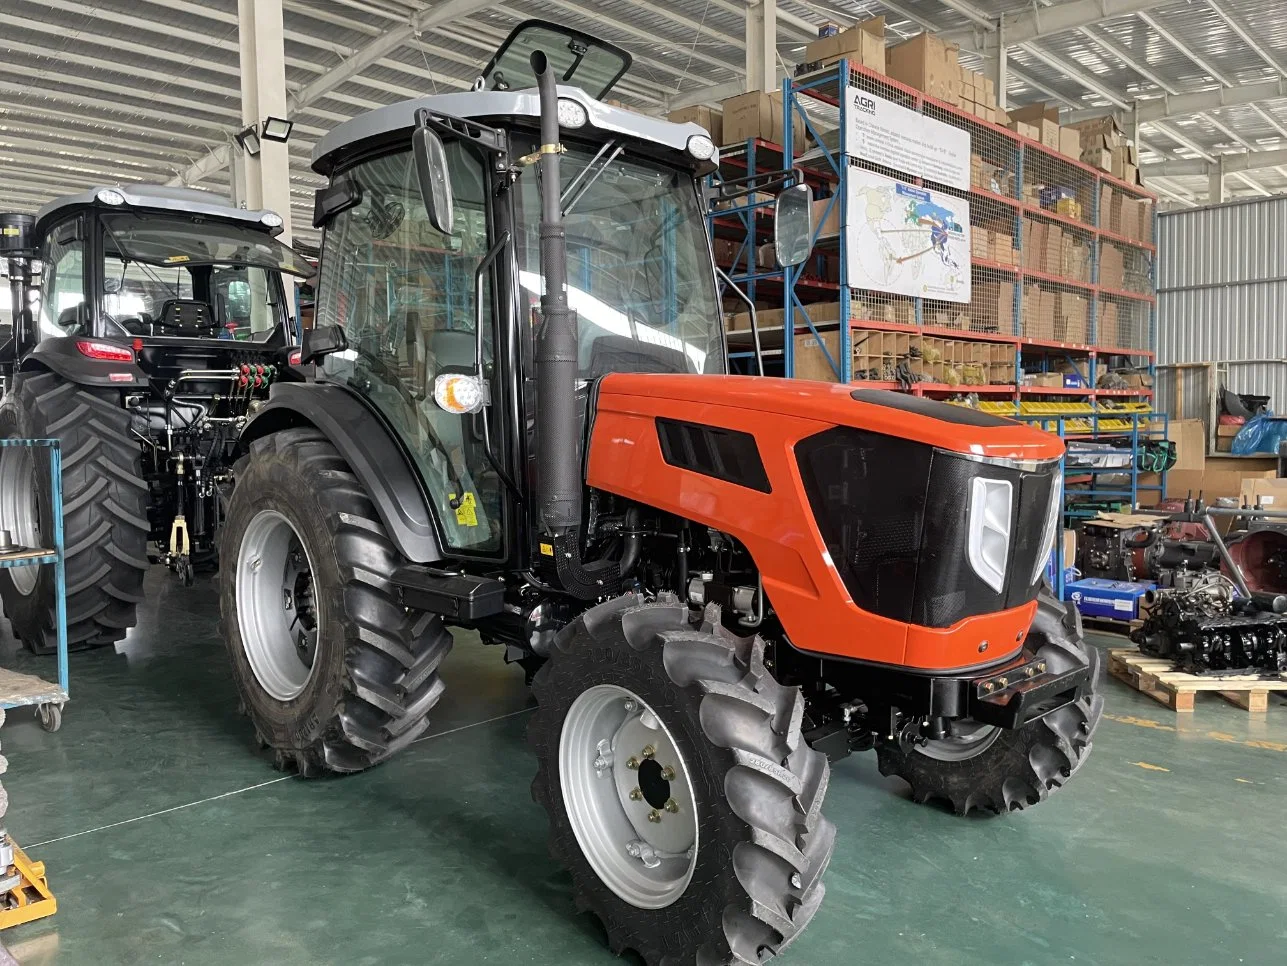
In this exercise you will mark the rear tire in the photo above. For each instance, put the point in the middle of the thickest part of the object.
(373, 677)
(749, 786)
(1001, 770)
(105, 525)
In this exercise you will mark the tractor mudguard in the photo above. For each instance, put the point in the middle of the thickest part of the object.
(369, 449)
(61, 357)
(721, 451)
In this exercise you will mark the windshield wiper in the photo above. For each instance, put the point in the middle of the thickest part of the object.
(580, 188)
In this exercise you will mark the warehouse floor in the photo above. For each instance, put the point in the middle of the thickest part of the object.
(168, 841)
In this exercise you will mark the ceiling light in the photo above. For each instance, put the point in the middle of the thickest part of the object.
(249, 141)
(277, 129)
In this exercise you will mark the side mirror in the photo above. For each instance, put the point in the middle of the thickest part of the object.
(321, 342)
(793, 225)
(435, 180)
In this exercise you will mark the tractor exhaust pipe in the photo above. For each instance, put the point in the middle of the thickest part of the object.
(557, 469)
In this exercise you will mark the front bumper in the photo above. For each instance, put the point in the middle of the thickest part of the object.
(1023, 691)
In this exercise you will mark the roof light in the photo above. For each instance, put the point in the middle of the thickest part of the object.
(249, 140)
(104, 351)
(702, 148)
(459, 393)
(110, 196)
(271, 219)
(277, 128)
(572, 113)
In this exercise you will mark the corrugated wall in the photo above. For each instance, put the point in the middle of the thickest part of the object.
(1222, 293)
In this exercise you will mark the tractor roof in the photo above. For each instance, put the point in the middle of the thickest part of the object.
(501, 105)
(157, 197)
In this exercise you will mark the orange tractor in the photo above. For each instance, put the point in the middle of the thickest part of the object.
(523, 425)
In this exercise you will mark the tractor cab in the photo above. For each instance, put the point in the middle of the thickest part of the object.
(433, 270)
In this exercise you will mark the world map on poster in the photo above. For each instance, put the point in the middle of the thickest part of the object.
(907, 240)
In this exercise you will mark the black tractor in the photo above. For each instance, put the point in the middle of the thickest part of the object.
(148, 323)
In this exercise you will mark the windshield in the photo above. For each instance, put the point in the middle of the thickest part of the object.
(160, 239)
(639, 265)
(577, 59)
(224, 294)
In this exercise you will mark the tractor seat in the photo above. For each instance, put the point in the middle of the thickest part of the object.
(186, 317)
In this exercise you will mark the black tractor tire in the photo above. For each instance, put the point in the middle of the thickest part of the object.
(1021, 767)
(763, 843)
(374, 675)
(105, 524)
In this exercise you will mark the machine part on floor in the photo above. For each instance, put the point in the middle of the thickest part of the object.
(170, 326)
(334, 672)
(668, 754)
(1208, 629)
(621, 521)
(1111, 551)
(1260, 555)
(24, 888)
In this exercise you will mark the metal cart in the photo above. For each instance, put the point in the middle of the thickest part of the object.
(22, 690)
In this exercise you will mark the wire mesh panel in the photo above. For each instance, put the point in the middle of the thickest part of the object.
(1125, 268)
(993, 297)
(1058, 184)
(1124, 322)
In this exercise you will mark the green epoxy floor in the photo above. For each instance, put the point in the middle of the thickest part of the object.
(168, 841)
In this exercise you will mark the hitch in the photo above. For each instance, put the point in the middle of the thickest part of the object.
(1023, 692)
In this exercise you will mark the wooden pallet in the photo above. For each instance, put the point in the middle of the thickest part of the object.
(1177, 689)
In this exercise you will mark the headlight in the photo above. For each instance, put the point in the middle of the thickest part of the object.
(110, 196)
(459, 393)
(702, 148)
(1049, 532)
(572, 113)
(989, 541)
(271, 219)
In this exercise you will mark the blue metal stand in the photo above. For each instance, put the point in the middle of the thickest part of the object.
(22, 690)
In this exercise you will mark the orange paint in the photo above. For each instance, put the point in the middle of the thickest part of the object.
(777, 528)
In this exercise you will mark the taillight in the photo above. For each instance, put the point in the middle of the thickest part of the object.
(104, 351)
(296, 357)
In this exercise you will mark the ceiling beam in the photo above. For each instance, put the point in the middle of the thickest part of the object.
(1245, 34)
(1242, 161)
(1034, 23)
(1210, 69)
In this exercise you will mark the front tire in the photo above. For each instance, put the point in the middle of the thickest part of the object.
(332, 670)
(105, 525)
(1000, 770)
(706, 845)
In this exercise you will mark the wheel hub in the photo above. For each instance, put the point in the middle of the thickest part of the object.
(628, 796)
(276, 612)
(20, 509)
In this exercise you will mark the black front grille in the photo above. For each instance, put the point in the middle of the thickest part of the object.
(894, 514)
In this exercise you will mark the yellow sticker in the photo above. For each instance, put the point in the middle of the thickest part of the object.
(7, 230)
(467, 513)
(173, 259)
(547, 549)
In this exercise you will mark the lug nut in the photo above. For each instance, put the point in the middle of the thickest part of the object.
(630, 706)
(668, 774)
(672, 806)
(654, 816)
(635, 794)
(649, 751)
(632, 762)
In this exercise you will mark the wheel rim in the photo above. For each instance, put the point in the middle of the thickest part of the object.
(20, 509)
(629, 796)
(276, 608)
(968, 738)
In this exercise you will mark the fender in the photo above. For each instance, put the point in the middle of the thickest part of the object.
(61, 357)
(370, 450)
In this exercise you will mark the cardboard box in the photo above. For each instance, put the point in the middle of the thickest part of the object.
(1036, 113)
(1097, 131)
(1025, 129)
(992, 307)
(929, 64)
(1101, 158)
(824, 224)
(980, 242)
(1108, 332)
(1046, 380)
(706, 117)
(1266, 494)
(863, 45)
(1070, 143)
(1049, 134)
(1190, 439)
(749, 116)
(1228, 429)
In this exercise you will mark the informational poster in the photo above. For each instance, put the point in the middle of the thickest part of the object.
(889, 134)
(907, 240)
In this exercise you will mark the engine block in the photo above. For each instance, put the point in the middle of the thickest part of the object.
(1206, 631)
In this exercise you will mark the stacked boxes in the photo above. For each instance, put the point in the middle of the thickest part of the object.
(877, 355)
(1104, 145)
(706, 117)
(863, 45)
(927, 63)
(756, 115)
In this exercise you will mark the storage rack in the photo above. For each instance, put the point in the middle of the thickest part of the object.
(1016, 334)
(23, 690)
